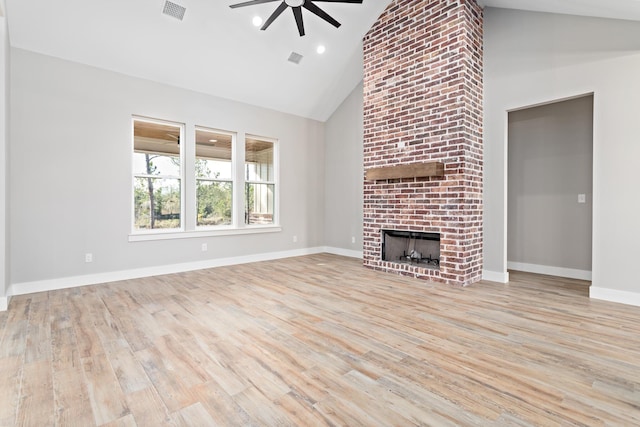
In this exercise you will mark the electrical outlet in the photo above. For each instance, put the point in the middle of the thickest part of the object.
(353, 239)
(582, 198)
(204, 247)
(295, 239)
(88, 257)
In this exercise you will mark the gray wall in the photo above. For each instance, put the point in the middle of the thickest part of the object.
(70, 175)
(550, 163)
(4, 149)
(535, 58)
(344, 174)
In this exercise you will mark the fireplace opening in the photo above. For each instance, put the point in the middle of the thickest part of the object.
(411, 247)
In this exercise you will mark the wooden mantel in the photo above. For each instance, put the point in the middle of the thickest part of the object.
(412, 170)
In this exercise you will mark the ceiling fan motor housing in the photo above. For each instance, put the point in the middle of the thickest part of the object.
(296, 6)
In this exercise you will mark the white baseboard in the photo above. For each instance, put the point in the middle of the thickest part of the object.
(550, 270)
(114, 276)
(614, 295)
(495, 276)
(343, 252)
(4, 303)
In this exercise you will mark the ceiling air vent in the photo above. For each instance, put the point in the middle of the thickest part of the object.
(295, 58)
(174, 10)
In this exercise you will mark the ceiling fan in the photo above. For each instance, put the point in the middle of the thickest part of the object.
(296, 6)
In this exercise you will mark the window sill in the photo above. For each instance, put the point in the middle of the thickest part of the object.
(170, 235)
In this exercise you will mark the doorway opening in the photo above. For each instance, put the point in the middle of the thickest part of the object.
(550, 188)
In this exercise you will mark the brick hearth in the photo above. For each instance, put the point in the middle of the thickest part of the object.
(423, 102)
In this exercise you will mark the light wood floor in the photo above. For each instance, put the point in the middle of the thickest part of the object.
(314, 341)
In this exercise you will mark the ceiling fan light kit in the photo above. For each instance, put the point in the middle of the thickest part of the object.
(296, 7)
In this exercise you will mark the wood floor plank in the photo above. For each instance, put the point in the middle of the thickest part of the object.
(261, 408)
(300, 411)
(176, 359)
(169, 385)
(38, 346)
(36, 407)
(71, 397)
(148, 409)
(128, 370)
(194, 415)
(224, 410)
(11, 374)
(319, 340)
(126, 421)
(15, 333)
(106, 396)
(218, 363)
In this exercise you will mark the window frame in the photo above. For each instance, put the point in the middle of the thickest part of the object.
(231, 179)
(157, 231)
(188, 187)
(274, 181)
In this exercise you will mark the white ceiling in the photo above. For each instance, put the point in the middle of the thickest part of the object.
(615, 9)
(217, 50)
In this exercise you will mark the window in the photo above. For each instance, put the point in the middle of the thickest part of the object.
(259, 181)
(157, 175)
(214, 177)
(189, 184)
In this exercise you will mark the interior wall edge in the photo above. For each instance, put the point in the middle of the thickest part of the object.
(343, 252)
(614, 295)
(114, 276)
(495, 276)
(550, 270)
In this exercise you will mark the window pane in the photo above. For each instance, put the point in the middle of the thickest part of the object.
(213, 154)
(259, 160)
(155, 164)
(156, 149)
(259, 203)
(214, 203)
(156, 203)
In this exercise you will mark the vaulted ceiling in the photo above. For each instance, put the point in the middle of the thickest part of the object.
(216, 49)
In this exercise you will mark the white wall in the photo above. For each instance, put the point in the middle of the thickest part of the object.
(4, 133)
(533, 58)
(70, 171)
(344, 175)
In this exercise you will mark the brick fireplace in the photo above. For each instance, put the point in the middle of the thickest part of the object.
(423, 106)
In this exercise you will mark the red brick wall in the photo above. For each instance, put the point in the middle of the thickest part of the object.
(423, 102)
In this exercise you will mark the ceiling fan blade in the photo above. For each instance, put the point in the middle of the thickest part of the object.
(251, 3)
(274, 15)
(321, 13)
(297, 12)
(340, 1)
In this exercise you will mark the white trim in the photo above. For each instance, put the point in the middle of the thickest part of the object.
(343, 252)
(495, 276)
(4, 303)
(614, 295)
(93, 279)
(550, 270)
(202, 232)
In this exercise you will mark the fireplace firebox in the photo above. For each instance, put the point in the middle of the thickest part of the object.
(411, 247)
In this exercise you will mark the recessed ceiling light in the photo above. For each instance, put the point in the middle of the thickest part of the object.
(321, 49)
(257, 21)
(213, 140)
